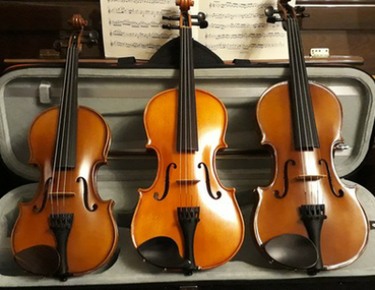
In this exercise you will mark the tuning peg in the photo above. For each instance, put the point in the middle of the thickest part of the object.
(201, 24)
(200, 16)
(174, 17)
(271, 19)
(300, 9)
(169, 26)
(90, 37)
(300, 12)
(270, 11)
(170, 18)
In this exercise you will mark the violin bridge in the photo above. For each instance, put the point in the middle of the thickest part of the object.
(310, 177)
(61, 194)
(187, 181)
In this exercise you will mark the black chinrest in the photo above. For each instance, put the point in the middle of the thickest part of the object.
(163, 252)
(293, 251)
(40, 260)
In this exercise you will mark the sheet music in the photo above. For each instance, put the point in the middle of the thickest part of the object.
(237, 29)
(133, 27)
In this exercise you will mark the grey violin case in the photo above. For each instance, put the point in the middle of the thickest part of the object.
(120, 94)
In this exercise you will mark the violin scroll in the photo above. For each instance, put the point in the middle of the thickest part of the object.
(77, 21)
(185, 18)
(184, 4)
(87, 36)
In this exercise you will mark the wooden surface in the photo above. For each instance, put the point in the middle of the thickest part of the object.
(345, 29)
(26, 27)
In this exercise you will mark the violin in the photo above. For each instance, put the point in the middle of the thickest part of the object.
(307, 218)
(67, 229)
(186, 220)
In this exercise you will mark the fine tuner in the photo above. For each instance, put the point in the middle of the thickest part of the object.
(201, 21)
(270, 11)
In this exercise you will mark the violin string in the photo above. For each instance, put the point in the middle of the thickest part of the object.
(69, 120)
(188, 108)
(299, 100)
(65, 131)
(306, 112)
(55, 182)
(184, 113)
(317, 197)
(191, 110)
(188, 116)
(185, 117)
(296, 94)
(180, 113)
(190, 95)
(62, 159)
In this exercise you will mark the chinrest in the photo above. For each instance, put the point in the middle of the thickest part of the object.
(163, 252)
(40, 260)
(291, 250)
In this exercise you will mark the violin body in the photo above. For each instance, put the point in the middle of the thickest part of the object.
(308, 177)
(188, 179)
(92, 235)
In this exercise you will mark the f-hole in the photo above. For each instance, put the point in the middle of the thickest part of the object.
(208, 182)
(286, 180)
(166, 183)
(340, 192)
(85, 195)
(45, 194)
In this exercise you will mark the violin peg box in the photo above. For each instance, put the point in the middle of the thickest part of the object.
(120, 95)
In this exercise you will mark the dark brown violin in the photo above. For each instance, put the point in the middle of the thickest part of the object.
(306, 218)
(66, 229)
(186, 220)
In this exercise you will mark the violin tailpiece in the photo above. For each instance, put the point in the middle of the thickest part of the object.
(313, 216)
(60, 224)
(188, 218)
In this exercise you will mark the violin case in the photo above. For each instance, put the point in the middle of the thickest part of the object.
(120, 93)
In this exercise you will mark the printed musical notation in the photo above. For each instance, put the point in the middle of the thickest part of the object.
(237, 29)
(134, 27)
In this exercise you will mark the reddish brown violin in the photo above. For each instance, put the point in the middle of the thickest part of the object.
(306, 218)
(186, 220)
(66, 229)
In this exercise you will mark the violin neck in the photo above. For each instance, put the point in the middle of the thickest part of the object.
(304, 127)
(187, 135)
(65, 150)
